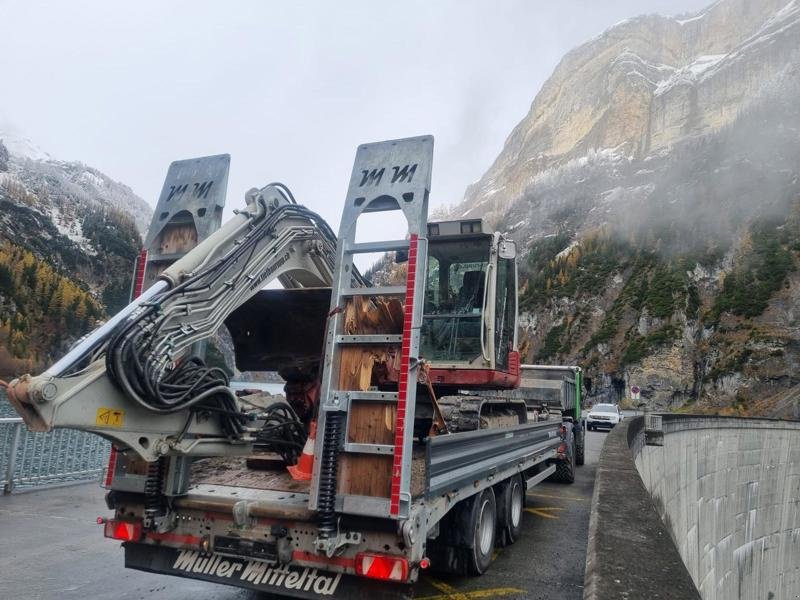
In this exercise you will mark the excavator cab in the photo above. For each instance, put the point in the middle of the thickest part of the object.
(469, 324)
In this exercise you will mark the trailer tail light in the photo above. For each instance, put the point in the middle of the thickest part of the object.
(382, 566)
(127, 531)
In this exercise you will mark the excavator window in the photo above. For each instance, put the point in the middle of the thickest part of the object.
(454, 297)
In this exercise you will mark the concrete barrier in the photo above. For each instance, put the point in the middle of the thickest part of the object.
(729, 491)
(726, 493)
(630, 554)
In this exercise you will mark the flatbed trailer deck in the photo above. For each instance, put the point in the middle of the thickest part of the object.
(237, 521)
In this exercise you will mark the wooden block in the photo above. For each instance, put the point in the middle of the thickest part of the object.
(365, 475)
(365, 316)
(371, 423)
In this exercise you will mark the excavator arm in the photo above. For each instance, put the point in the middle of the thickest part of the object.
(134, 381)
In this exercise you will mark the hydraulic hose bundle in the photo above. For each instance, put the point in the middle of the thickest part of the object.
(146, 354)
(282, 432)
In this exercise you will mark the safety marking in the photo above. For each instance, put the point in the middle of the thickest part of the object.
(544, 511)
(402, 387)
(109, 417)
(537, 495)
(451, 593)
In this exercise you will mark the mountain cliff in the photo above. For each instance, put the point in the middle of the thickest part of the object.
(68, 238)
(654, 188)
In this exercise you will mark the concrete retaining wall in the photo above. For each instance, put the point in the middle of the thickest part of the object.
(728, 491)
(630, 555)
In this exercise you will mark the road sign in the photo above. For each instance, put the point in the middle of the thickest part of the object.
(635, 392)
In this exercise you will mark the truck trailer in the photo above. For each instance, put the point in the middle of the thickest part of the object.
(408, 431)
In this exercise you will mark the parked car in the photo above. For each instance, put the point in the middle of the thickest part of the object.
(603, 416)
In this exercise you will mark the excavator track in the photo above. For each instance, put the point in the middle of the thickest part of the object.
(468, 413)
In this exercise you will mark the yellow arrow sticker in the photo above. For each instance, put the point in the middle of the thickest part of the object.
(109, 417)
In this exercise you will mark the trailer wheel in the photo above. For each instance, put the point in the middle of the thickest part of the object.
(580, 450)
(483, 524)
(565, 469)
(510, 502)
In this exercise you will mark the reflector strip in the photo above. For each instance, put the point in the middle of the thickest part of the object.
(380, 566)
(112, 465)
(402, 395)
(138, 276)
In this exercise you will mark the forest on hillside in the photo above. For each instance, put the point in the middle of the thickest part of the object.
(41, 310)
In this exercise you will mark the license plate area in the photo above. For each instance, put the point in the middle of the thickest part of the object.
(244, 548)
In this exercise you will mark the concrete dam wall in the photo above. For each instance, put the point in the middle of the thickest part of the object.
(728, 491)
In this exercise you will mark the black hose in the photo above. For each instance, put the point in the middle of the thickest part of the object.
(282, 433)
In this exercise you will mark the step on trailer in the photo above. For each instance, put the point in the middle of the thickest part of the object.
(409, 439)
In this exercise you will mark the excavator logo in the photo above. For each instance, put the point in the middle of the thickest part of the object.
(400, 174)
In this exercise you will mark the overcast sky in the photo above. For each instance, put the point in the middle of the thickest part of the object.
(289, 89)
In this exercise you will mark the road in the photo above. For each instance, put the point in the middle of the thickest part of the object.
(51, 547)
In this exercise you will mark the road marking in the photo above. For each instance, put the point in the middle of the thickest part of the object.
(451, 593)
(544, 511)
(537, 495)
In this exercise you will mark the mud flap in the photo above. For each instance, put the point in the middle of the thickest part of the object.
(280, 581)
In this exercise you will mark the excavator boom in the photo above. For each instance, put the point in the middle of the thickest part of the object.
(134, 381)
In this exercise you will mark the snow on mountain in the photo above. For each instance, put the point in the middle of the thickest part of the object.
(72, 181)
(689, 74)
(20, 145)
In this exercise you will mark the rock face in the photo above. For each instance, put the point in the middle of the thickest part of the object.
(68, 238)
(654, 187)
(644, 85)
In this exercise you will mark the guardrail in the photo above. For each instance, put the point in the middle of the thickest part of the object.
(38, 459)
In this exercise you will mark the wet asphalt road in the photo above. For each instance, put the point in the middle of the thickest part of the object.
(51, 548)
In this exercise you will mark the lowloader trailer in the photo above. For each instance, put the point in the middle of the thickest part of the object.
(403, 442)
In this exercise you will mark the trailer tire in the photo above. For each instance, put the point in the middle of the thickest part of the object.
(510, 502)
(580, 450)
(565, 469)
(483, 524)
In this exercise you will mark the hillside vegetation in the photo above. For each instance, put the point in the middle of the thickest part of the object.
(67, 250)
(40, 309)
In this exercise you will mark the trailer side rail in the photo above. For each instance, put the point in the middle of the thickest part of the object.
(457, 460)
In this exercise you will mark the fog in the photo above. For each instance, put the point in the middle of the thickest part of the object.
(288, 89)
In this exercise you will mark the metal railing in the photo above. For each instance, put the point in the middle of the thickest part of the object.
(37, 459)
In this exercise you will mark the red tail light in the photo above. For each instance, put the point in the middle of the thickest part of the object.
(382, 566)
(127, 531)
